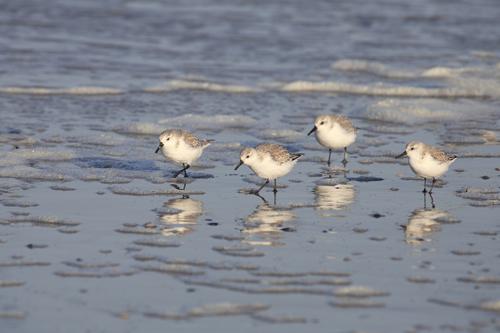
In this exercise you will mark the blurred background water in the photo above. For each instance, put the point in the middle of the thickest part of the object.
(133, 45)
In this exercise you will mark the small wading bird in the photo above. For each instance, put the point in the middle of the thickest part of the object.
(181, 147)
(427, 161)
(269, 161)
(334, 132)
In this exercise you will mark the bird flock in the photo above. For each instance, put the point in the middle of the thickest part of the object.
(271, 161)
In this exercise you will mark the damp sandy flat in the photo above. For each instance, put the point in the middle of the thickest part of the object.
(101, 230)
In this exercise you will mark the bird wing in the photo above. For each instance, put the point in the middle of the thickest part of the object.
(279, 153)
(440, 155)
(345, 122)
(193, 141)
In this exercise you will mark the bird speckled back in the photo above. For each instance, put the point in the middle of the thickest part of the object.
(277, 152)
(188, 138)
(440, 155)
(344, 122)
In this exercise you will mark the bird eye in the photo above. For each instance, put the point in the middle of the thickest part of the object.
(248, 156)
(412, 148)
(168, 139)
(322, 123)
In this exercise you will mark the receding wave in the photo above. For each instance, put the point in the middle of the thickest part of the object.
(372, 67)
(60, 91)
(383, 70)
(282, 135)
(210, 121)
(473, 82)
(139, 128)
(382, 90)
(199, 85)
(480, 82)
(420, 111)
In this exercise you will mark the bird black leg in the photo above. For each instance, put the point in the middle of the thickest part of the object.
(275, 189)
(185, 167)
(329, 156)
(425, 184)
(344, 161)
(432, 186)
(432, 200)
(261, 198)
(177, 187)
(260, 188)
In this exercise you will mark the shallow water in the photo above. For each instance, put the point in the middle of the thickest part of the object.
(95, 238)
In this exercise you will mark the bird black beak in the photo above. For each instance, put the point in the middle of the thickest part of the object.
(312, 131)
(403, 154)
(159, 147)
(239, 164)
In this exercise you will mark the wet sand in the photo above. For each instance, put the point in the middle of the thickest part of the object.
(95, 237)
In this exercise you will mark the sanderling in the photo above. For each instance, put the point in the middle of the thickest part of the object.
(181, 147)
(427, 161)
(269, 161)
(334, 132)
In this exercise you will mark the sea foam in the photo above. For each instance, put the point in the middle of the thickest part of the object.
(372, 67)
(219, 121)
(382, 90)
(60, 91)
(139, 128)
(420, 111)
(197, 85)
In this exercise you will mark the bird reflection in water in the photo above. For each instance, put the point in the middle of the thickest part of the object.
(424, 221)
(268, 223)
(334, 196)
(181, 215)
(336, 172)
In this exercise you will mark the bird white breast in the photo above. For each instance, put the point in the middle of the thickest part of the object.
(269, 169)
(182, 153)
(335, 137)
(428, 167)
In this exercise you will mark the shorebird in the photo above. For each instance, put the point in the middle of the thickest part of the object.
(181, 147)
(334, 132)
(427, 161)
(269, 161)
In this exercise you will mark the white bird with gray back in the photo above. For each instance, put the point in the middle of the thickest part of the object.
(269, 161)
(181, 147)
(334, 132)
(427, 161)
